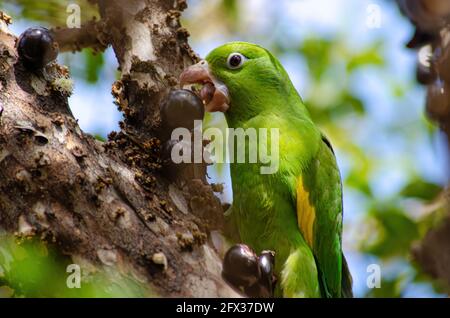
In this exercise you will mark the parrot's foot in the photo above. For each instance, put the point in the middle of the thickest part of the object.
(247, 272)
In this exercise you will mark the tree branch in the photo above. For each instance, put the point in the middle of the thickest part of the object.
(109, 203)
(433, 253)
(144, 34)
(431, 20)
(90, 35)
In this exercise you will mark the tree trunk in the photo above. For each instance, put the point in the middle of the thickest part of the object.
(431, 21)
(110, 203)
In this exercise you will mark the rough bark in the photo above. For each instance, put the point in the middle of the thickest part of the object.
(90, 35)
(431, 19)
(109, 204)
(433, 253)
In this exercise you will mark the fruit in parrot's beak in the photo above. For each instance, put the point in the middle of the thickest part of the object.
(181, 108)
(37, 48)
(214, 93)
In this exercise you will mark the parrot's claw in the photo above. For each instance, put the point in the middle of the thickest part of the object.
(247, 272)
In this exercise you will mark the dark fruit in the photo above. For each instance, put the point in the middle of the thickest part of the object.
(420, 39)
(167, 149)
(437, 7)
(438, 99)
(240, 266)
(441, 61)
(266, 263)
(37, 48)
(257, 291)
(251, 274)
(425, 19)
(182, 147)
(172, 170)
(181, 108)
(425, 75)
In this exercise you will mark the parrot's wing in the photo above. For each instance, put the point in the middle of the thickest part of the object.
(319, 215)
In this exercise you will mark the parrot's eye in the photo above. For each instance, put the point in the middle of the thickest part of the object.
(235, 60)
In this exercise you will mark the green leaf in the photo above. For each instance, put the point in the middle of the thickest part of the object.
(347, 104)
(230, 8)
(358, 181)
(100, 137)
(396, 232)
(32, 268)
(389, 288)
(421, 189)
(94, 64)
(370, 56)
(317, 53)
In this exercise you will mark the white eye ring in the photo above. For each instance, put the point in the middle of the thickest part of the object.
(235, 60)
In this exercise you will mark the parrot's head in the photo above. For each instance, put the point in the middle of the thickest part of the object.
(237, 77)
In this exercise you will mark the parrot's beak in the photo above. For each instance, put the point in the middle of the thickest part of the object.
(214, 93)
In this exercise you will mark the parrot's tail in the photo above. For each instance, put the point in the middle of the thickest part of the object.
(347, 281)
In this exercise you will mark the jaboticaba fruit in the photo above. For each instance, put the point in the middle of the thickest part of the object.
(167, 148)
(37, 48)
(266, 263)
(425, 74)
(438, 100)
(181, 108)
(240, 266)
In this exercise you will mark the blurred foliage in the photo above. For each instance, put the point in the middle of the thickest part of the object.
(94, 63)
(328, 59)
(391, 289)
(32, 268)
(395, 232)
(231, 9)
(387, 227)
(52, 13)
(421, 189)
(100, 138)
(384, 228)
(392, 228)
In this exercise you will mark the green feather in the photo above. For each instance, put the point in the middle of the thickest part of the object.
(265, 206)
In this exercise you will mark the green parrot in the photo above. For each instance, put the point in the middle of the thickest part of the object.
(296, 211)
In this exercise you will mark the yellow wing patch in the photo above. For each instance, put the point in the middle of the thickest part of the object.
(306, 213)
